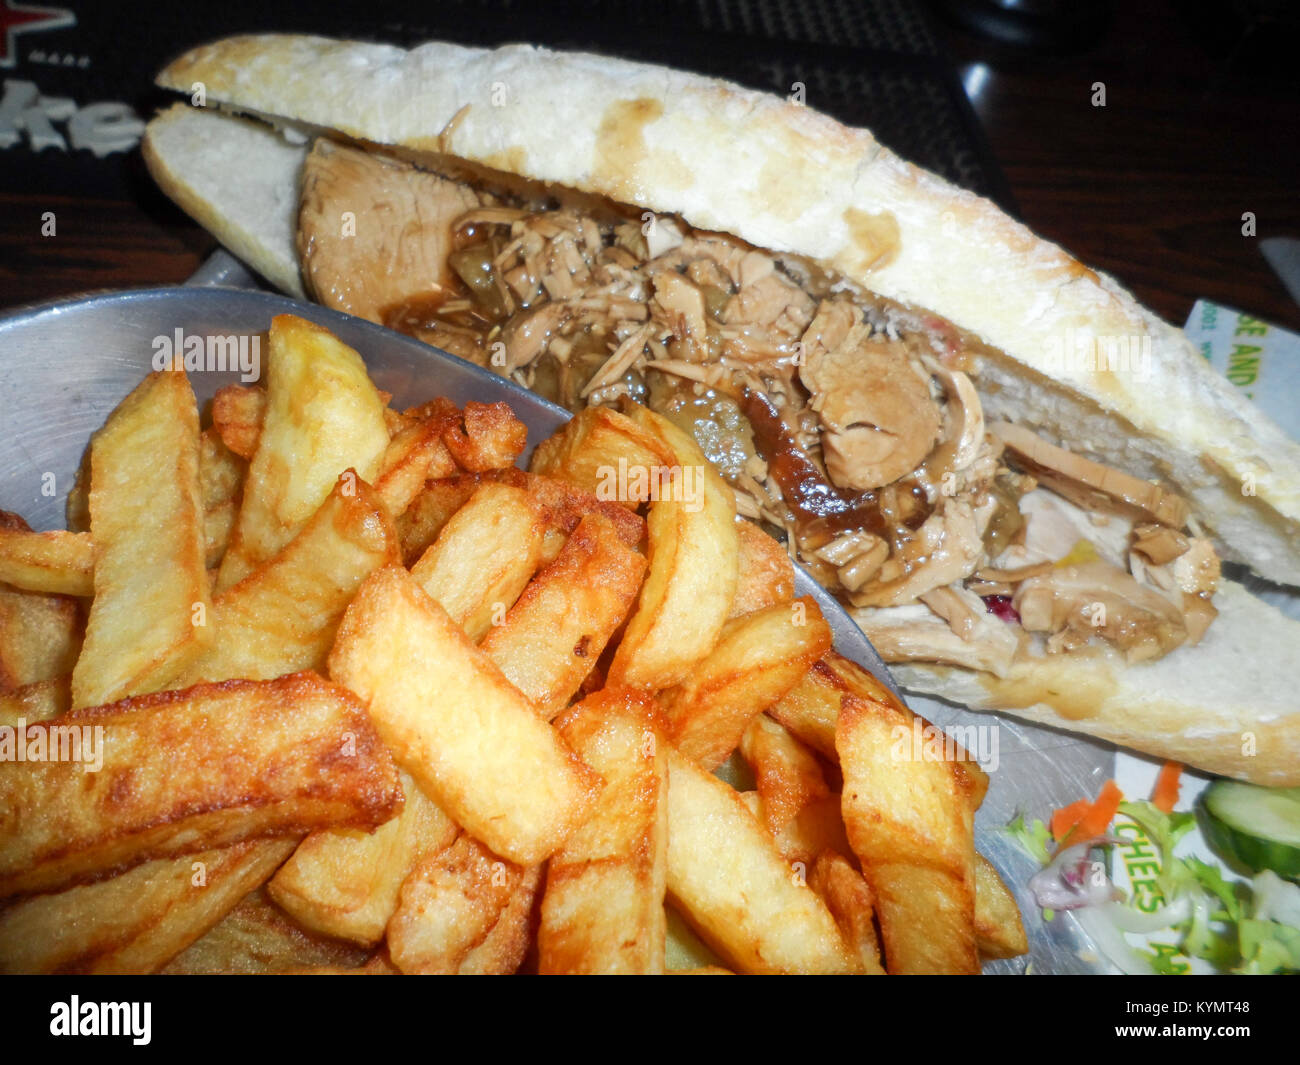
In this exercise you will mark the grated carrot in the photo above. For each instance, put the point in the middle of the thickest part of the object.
(1083, 820)
(1165, 795)
(1067, 817)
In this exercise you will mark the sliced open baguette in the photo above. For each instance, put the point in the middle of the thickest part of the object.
(785, 178)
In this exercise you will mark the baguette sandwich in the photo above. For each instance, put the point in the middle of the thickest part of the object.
(1019, 480)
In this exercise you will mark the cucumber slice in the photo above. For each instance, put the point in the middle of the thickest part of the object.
(1252, 827)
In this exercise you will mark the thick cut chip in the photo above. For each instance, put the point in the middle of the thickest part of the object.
(854, 680)
(449, 905)
(344, 881)
(787, 775)
(221, 480)
(562, 506)
(594, 446)
(727, 878)
(925, 919)
(434, 505)
(76, 508)
(282, 617)
(138, 921)
(817, 827)
(811, 708)
(483, 557)
(909, 819)
(62, 563)
(237, 415)
(469, 738)
(694, 551)
(758, 659)
(503, 949)
(551, 638)
(416, 454)
(146, 518)
(486, 436)
(323, 416)
(849, 899)
(256, 937)
(999, 930)
(35, 702)
(102, 789)
(40, 637)
(603, 909)
(766, 574)
(684, 951)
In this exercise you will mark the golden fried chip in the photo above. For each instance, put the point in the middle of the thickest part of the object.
(344, 881)
(550, 639)
(237, 415)
(727, 878)
(39, 701)
(221, 482)
(851, 904)
(146, 517)
(694, 551)
(483, 557)
(910, 823)
(765, 572)
(58, 562)
(590, 448)
(282, 617)
(106, 788)
(40, 637)
(448, 906)
(999, 930)
(757, 660)
(787, 775)
(323, 416)
(138, 921)
(472, 742)
(258, 937)
(603, 909)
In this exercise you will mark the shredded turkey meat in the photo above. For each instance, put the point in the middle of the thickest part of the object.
(877, 416)
(394, 245)
(1075, 603)
(851, 428)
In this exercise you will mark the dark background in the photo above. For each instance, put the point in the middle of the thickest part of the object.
(1201, 123)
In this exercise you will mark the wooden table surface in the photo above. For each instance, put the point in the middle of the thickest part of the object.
(1150, 188)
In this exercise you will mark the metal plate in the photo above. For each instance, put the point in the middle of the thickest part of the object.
(65, 366)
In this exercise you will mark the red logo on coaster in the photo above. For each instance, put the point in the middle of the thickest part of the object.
(27, 18)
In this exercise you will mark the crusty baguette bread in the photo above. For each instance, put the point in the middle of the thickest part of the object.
(788, 179)
(785, 177)
(237, 179)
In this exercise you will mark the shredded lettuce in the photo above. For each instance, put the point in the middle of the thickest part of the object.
(1034, 838)
(1236, 927)
(1268, 947)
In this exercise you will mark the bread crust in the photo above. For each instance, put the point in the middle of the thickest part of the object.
(797, 181)
(169, 147)
(1226, 706)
